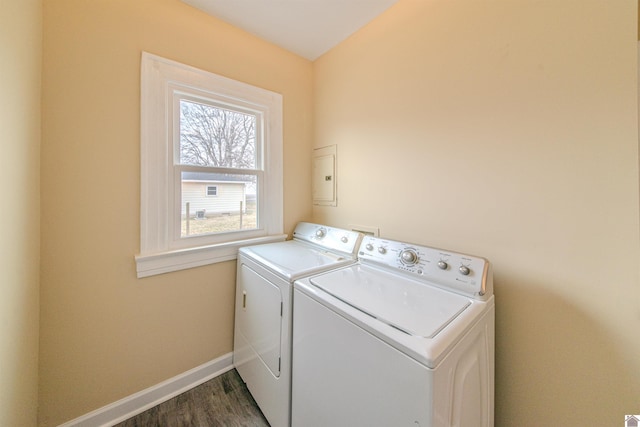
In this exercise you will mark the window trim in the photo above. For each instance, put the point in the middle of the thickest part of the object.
(160, 79)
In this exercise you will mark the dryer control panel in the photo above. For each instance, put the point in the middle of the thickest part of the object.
(335, 239)
(467, 274)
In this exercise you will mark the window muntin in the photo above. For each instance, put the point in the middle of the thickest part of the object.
(212, 190)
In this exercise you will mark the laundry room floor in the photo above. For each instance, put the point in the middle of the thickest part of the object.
(223, 401)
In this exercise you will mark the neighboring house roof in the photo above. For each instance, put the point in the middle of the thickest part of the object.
(631, 421)
(213, 177)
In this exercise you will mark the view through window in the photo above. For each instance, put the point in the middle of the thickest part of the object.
(219, 161)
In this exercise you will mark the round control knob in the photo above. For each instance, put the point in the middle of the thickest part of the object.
(464, 270)
(320, 233)
(344, 239)
(382, 250)
(369, 247)
(442, 265)
(409, 256)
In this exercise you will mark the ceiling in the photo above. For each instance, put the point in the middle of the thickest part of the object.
(307, 28)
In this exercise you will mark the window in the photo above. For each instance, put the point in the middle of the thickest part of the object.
(217, 142)
(211, 163)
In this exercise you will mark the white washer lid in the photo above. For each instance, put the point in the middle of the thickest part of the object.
(412, 307)
(292, 259)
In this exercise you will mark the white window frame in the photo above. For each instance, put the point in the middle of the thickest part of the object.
(162, 82)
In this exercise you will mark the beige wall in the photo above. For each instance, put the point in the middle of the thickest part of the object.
(20, 56)
(509, 130)
(511, 125)
(104, 333)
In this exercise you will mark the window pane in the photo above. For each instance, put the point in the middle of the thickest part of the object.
(233, 208)
(212, 136)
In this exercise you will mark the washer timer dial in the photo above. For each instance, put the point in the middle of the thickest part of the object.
(409, 257)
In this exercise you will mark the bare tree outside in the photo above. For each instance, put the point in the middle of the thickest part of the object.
(215, 137)
(212, 136)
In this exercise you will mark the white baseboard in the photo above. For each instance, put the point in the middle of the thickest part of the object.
(126, 408)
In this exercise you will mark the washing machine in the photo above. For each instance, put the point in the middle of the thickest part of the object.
(264, 283)
(404, 337)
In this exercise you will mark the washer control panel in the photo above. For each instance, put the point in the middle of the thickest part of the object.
(332, 238)
(467, 274)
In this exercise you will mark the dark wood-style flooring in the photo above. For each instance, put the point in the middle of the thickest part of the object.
(223, 401)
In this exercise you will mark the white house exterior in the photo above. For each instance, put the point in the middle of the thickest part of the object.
(209, 196)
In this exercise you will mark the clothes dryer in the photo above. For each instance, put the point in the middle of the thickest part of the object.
(262, 335)
(405, 337)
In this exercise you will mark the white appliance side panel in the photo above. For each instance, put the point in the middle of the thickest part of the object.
(344, 376)
(467, 375)
(469, 387)
(260, 316)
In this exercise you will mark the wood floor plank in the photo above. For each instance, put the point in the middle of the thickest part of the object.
(223, 401)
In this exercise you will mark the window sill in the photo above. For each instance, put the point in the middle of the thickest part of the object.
(165, 262)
